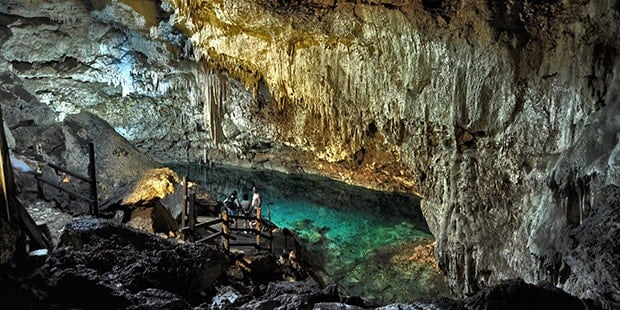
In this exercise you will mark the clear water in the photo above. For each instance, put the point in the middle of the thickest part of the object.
(365, 240)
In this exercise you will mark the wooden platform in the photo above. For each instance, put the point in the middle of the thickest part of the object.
(242, 240)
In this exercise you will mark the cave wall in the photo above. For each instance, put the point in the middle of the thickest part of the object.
(506, 115)
(122, 61)
(503, 116)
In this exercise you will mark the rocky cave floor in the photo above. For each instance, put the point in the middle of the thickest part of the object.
(100, 264)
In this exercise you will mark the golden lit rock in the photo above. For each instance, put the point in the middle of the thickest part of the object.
(154, 183)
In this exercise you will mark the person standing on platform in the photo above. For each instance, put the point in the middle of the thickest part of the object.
(232, 206)
(246, 208)
(256, 199)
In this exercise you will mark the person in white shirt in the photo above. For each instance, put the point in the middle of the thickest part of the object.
(256, 199)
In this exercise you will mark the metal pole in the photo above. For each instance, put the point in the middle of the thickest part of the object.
(92, 174)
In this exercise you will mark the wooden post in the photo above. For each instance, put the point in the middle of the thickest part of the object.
(92, 174)
(12, 210)
(184, 202)
(258, 229)
(225, 230)
(9, 191)
(192, 215)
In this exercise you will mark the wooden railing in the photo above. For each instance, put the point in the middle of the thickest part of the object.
(91, 180)
(260, 223)
(189, 226)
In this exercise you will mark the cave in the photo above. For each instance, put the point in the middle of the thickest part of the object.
(501, 119)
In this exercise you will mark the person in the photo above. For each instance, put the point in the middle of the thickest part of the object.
(246, 208)
(231, 203)
(256, 199)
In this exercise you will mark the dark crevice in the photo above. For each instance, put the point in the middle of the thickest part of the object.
(602, 72)
(359, 156)
(23, 123)
(371, 130)
(63, 64)
(7, 19)
(5, 33)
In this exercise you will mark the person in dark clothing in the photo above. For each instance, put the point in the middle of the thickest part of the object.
(247, 210)
(231, 203)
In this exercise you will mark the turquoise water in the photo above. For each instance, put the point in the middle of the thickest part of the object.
(359, 232)
(357, 251)
(363, 238)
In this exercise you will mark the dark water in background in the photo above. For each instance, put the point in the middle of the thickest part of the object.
(353, 231)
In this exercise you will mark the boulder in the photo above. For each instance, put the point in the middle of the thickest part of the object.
(292, 295)
(117, 161)
(142, 197)
(147, 187)
(516, 294)
(155, 219)
(153, 184)
(100, 264)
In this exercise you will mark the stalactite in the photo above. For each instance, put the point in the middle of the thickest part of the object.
(212, 95)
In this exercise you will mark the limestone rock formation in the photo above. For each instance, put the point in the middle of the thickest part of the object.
(151, 185)
(503, 116)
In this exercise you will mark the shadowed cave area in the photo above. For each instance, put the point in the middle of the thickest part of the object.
(416, 154)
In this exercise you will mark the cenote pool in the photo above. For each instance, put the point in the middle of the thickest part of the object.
(372, 244)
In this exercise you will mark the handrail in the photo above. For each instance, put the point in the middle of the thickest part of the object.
(189, 229)
(73, 174)
(91, 180)
(70, 192)
(210, 237)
